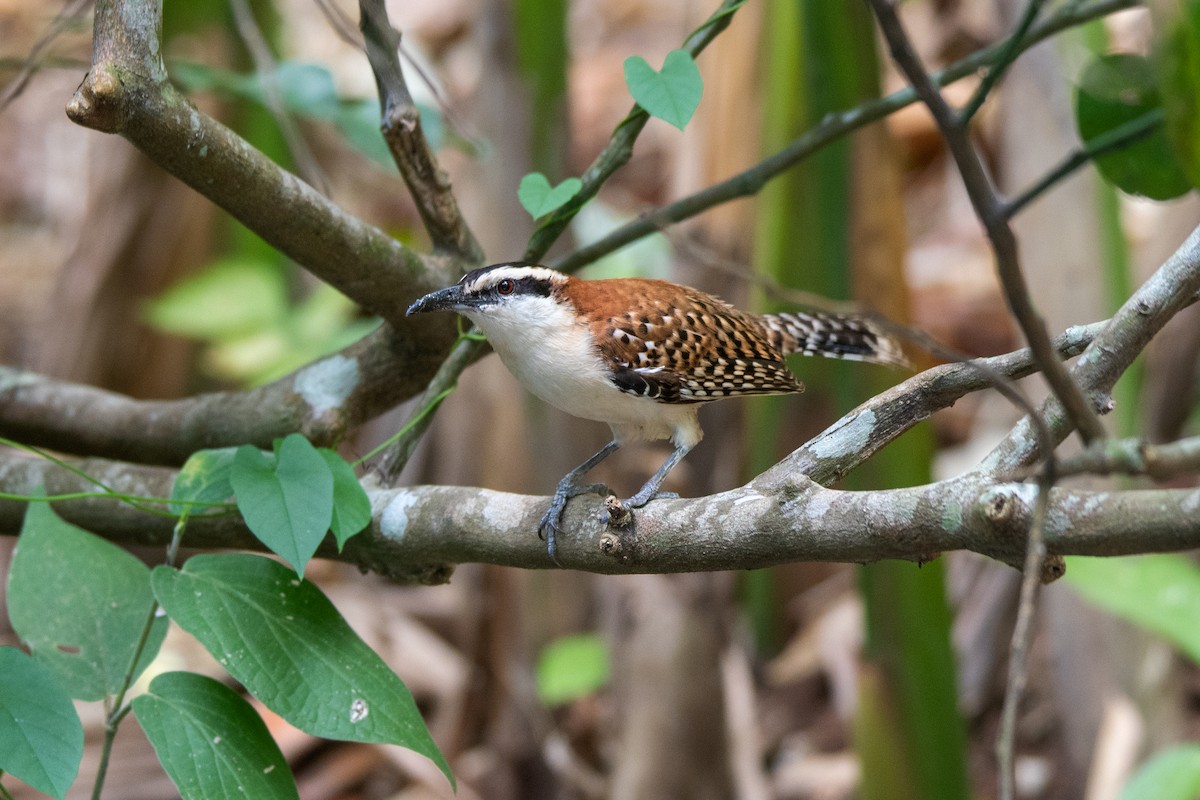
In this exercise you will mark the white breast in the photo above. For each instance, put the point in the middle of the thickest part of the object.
(554, 356)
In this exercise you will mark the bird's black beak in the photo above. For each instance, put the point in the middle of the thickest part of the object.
(448, 299)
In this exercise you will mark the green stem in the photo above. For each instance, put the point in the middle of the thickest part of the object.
(58, 498)
(1121, 136)
(118, 708)
(4, 795)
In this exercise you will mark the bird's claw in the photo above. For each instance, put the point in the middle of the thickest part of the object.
(548, 526)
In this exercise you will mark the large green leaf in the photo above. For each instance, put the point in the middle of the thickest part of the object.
(672, 93)
(287, 501)
(286, 643)
(1117, 90)
(210, 741)
(80, 604)
(1173, 774)
(41, 740)
(1160, 592)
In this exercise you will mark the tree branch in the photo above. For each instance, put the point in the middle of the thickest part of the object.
(866, 430)
(401, 126)
(324, 400)
(419, 533)
(1171, 288)
(127, 92)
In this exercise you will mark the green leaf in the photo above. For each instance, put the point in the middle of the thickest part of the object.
(1173, 774)
(351, 506)
(1177, 59)
(286, 643)
(287, 501)
(539, 199)
(80, 604)
(572, 667)
(1158, 592)
(1115, 90)
(41, 738)
(229, 299)
(671, 95)
(210, 741)
(204, 478)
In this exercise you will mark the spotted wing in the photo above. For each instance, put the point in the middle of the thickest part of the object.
(693, 351)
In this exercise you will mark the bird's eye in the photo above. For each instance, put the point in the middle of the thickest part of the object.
(506, 286)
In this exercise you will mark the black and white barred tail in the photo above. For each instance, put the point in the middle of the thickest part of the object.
(833, 336)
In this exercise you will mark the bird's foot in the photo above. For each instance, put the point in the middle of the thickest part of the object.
(549, 526)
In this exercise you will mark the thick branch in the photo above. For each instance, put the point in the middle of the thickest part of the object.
(419, 533)
(324, 401)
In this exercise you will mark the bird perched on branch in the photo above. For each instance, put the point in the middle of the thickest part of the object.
(641, 355)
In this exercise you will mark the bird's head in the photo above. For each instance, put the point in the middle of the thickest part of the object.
(488, 291)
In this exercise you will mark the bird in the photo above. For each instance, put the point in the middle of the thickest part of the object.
(641, 355)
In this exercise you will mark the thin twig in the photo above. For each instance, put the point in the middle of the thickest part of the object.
(267, 70)
(341, 23)
(990, 210)
(118, 708)
(1008, 54)
(1032, 577)
(401, 125)
(396, 455)
(1135, 456)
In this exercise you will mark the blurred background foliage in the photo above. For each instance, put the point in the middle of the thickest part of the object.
(811, 681)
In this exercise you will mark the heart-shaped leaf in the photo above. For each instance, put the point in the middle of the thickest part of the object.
(673, 93)
(287, 501)
(539, 198)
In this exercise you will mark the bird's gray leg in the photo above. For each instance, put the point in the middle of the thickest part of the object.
(570, 487)
(650, 490)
